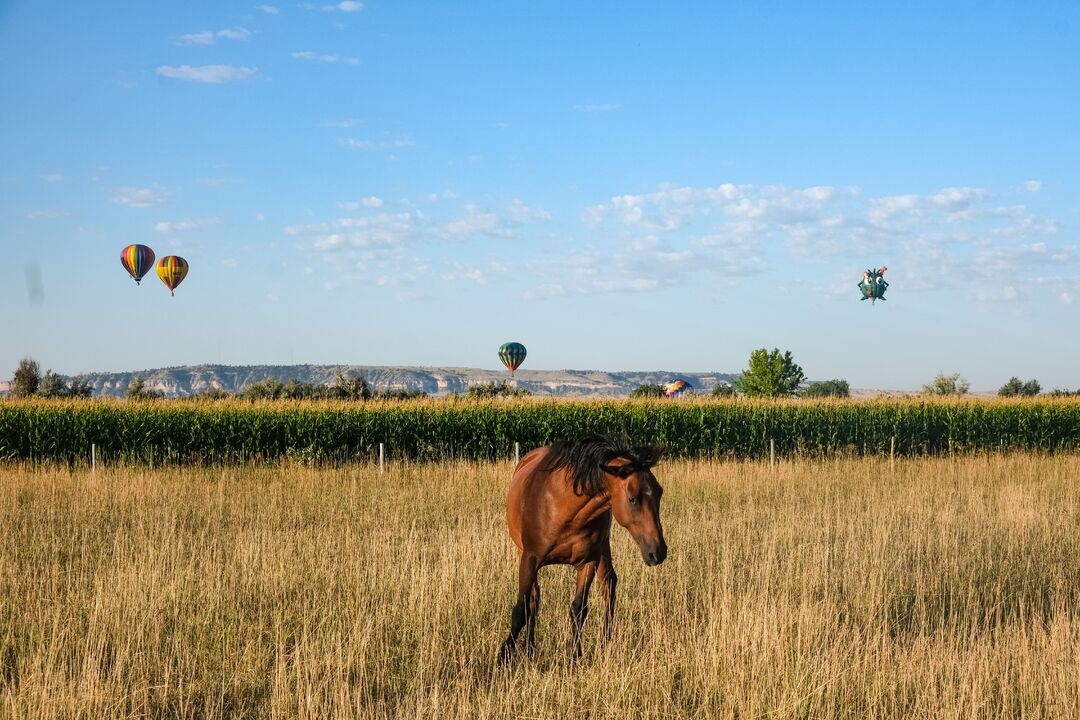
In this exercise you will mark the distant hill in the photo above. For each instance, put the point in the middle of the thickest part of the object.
(193, 379)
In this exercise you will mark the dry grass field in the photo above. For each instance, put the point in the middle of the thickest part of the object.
(942, 588)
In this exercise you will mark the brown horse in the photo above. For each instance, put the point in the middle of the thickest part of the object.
(558, 511)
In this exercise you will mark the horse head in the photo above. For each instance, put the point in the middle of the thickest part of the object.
(635, 500)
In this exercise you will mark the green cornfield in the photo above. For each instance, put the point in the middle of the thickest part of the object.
(207, 432)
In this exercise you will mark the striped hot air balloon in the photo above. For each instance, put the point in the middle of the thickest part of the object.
(137, 260)
(172, 269)
(512, 355)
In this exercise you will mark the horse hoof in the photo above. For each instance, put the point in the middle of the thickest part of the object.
(506, 654)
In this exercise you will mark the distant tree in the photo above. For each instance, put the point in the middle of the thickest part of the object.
(52, 386)
(1064, 393)
(828, 388)
(943, 384)
(402, 394)
(648, 391)
(350, 389)
(771, 374)
(492, 389)
(724, 390)
(1012, 388)
(137, 390)
(80, 387)
(268, 389)
(27, 378)
(214, 393)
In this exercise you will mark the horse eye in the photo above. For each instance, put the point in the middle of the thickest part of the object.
(633, 501)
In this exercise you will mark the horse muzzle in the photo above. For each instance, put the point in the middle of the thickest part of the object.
(655, 554)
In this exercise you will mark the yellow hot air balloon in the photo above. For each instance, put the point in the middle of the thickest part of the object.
(172, 269)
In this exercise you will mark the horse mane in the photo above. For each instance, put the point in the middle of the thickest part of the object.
(586, 457)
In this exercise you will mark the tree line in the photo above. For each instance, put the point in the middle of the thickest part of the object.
(769, 374)
(775, 374)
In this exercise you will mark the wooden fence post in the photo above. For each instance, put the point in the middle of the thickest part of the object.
(517, 452)
(772, 454)
(892, 451)
(93, 458)
(381, 456)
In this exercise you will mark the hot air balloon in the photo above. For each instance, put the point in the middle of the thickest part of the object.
(676, 387)
(137, 260)
(172, 269)
(873, 285)
(512, 355)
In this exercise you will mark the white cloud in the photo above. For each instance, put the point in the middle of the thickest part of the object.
(597, 107)
(309, 55)
(143, 197)
(208, 73)
(476, 222)
(200, 38)
(185, 225)
(478, 274)
(48, 214)
(1033, 186)
(348, 6)
(1065, 298)
(520, 212)
(368, 202)
(1026, 226)
(53, 177)
(342, 123)
(670, 208)
(237, 33)
(955, 199)
(270, 9)
(206, 37)
(387, 143)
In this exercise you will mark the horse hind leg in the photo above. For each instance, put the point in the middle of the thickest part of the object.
(579, 608)
(519, 617)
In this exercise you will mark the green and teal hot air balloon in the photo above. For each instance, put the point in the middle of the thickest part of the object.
(873, 285)
(512, 355)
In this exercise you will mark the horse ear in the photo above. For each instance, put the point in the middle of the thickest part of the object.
(648, 455)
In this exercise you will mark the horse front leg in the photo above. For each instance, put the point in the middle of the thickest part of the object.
(579, 608)
(527, 566)
(605, 573)
(532, 611)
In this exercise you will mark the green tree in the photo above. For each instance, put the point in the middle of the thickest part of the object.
(647, 391)
(268, 389)
(137, 390)
(350, 388)
(27, 378)
(771, 374)
(80, 387)
(1012, 388)
(828, 388)
(492, 389)
(724, 390)
(943, 384)
(1031, 388)
(402, 394)
(52, 386)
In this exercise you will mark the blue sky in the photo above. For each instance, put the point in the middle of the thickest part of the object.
(618, 186)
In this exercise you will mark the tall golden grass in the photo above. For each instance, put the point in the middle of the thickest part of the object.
(841, 588)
